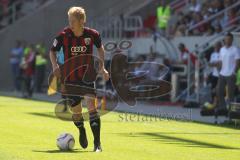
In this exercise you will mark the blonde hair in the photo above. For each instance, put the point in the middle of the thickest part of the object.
(77, 12)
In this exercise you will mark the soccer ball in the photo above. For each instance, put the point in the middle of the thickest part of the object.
(65, 142)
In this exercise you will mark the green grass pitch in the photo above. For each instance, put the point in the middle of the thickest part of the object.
(28, 131)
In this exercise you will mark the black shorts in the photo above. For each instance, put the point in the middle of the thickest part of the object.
(74, 94)
(213, 80)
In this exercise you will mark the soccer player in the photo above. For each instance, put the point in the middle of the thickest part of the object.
(77, 40)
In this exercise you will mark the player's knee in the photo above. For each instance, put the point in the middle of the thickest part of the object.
(77, 109)
(91, 106)
(77, 117)
(90, 100)
(77, 113)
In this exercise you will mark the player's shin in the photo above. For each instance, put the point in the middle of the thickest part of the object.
(78, 120)
(95, 124)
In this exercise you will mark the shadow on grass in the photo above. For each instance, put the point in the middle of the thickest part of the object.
(48, 115)
(230, 125)
(223, 125)
(200, 133)
(33, 99)
(59, 151)
(165, 137)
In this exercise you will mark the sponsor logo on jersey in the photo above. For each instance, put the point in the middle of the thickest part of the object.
(87, 41)
(78, 49)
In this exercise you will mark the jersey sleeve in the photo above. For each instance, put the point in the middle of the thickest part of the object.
(57, 43)
(97, 40)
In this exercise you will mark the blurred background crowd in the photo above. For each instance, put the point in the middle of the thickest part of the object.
(28, 63)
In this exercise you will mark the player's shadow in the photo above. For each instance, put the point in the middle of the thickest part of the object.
(226, 124)
(59, 151)
(49, 115)
(168, 139)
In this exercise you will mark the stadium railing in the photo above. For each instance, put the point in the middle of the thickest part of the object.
(12, 14)
(116, 27)
(127, 8)
(178, 4)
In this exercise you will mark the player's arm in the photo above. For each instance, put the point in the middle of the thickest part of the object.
(55, 67)
(53, 58)
(101, 52)
(57, 44)
(103, 71)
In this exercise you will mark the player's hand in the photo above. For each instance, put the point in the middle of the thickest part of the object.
(105, 74)
(56, 71)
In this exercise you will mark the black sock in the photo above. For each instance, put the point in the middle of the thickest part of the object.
(78, 121)
(95, 125)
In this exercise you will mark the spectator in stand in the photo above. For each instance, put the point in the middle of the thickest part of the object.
(182, 25)
(225, 15)
(210, 31)
(214, 75)
(215, 6)
(205, 12)
(41, 63)
(163, 15)
(217, 22)
(229, 63)
(217, 29)
(227, 3)
(194, 6)
(231, 17)
(28, 67)
(180, 31)
(197, 18)
(185, 55)
(197, 12)
(15, 59)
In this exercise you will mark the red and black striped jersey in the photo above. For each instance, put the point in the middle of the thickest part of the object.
(78, 53)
